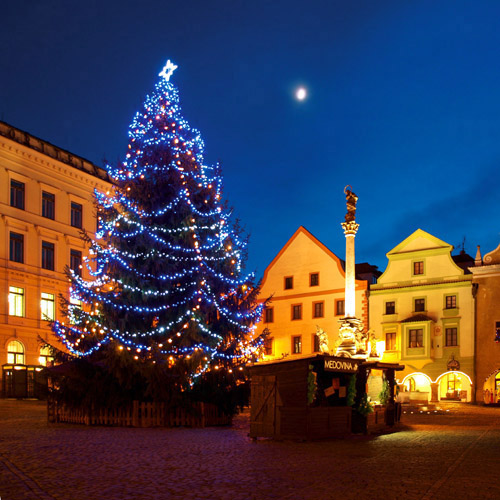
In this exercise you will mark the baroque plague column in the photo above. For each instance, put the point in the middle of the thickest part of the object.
(351, 333)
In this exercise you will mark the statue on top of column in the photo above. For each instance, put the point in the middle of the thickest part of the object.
(351, 200)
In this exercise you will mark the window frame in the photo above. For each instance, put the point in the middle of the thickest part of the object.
(293, 309)
(48, 205)
(418, 268)
(76, 254)
(420, 299)
(49, 300)
(269, 346)
(386, 308)
(48, 255)
(418, 334)
(337, 303)
(18, 353)
(320, 303)
(453, 300)
(296, 344)
(16, 301)
(288, 280)
(268, 312)
(16, 247)
(453, 336)
(314, 277)
(17, 194)
(76, 218)
(390, 346)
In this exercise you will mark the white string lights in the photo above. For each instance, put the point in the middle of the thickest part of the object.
(166, 267)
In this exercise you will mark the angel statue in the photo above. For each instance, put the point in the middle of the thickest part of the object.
(323, 340)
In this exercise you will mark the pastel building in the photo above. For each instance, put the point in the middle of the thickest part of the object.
(486, 277)
(306, 283)
(45, 203)
(422, 309)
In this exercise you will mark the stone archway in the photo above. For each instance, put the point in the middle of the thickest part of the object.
(454, 385)
(491, 388)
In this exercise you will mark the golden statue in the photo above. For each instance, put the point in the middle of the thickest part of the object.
(351, 200)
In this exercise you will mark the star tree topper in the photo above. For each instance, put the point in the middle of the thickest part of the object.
(167, 71)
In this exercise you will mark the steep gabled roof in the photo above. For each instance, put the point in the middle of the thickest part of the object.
(415, 242)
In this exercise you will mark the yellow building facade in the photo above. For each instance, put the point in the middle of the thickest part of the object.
(306, 283)
(486, 276)
(422, 308)
(45, 201)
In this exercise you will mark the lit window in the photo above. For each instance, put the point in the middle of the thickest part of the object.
(16, 247)
(418, 267)
(75, 261)
(419, 305)
(76, 214)
(268, 346)
(297, 344)
(48, 255)
(16, 301)
(17, 194)
(15, 353)
(390, 307)
(318, 311)
(416, 338)
(390, 341)
(48, 306)
(339, 307)
(451, 337)
(45, 358)
(314, 279)
(451, 301)
(297, 311)
(269, 315)
(48, 205)
(289, 283)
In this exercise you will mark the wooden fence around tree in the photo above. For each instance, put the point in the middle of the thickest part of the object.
(140, 414)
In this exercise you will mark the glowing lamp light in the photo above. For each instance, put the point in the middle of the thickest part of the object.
(300, 93)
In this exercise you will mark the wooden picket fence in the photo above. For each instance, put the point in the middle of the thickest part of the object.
(140, 414)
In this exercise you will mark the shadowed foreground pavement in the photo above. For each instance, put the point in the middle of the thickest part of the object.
(451, 454)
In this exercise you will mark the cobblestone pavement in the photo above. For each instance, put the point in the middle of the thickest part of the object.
(452, 453)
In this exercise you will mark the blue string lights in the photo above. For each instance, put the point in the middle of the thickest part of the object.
(166, 267)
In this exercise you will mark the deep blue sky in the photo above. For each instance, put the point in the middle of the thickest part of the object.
(404, 105)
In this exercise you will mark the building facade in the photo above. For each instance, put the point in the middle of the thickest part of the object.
(306, 283)
(486, 276)
(422, 308)
(46, 200)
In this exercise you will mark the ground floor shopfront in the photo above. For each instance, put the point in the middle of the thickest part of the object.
(452, 385)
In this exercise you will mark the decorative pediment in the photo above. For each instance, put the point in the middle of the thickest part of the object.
(492, 257)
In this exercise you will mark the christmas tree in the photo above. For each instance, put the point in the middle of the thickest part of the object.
(168, 284)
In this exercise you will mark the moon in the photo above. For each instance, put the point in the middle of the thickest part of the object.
(300, 93)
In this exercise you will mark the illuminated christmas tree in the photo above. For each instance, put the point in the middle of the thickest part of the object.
(168, 285)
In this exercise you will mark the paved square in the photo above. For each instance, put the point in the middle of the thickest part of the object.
(451, 454)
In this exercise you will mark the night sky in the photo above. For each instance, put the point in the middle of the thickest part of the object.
(403, 104)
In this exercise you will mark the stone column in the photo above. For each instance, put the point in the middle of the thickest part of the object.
(350, 230)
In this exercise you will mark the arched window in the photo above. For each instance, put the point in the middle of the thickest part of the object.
(45, 358)
(15, 353)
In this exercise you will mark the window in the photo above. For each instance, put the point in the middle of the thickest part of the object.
(75, 261)
(289, 283)
(497, 331)
(451, 301)
(297, 344)
(47, 255)
(418, 267)
(17, 194)
(16, 301)
(76, 214)
(390, 341)
(390, 307)
(297, 311)
(45, 359)
(75, 305)
(419, 305)
(48, 205)
(268, 346)
(15, 353)
(48, 306)
(17, 247)
(416, 338)
(339, 307)
(451, 337)
(314, 279)
(315, 343)
(318, 309)
(269, 315)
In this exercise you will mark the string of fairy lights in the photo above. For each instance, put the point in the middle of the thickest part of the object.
(166, 266)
